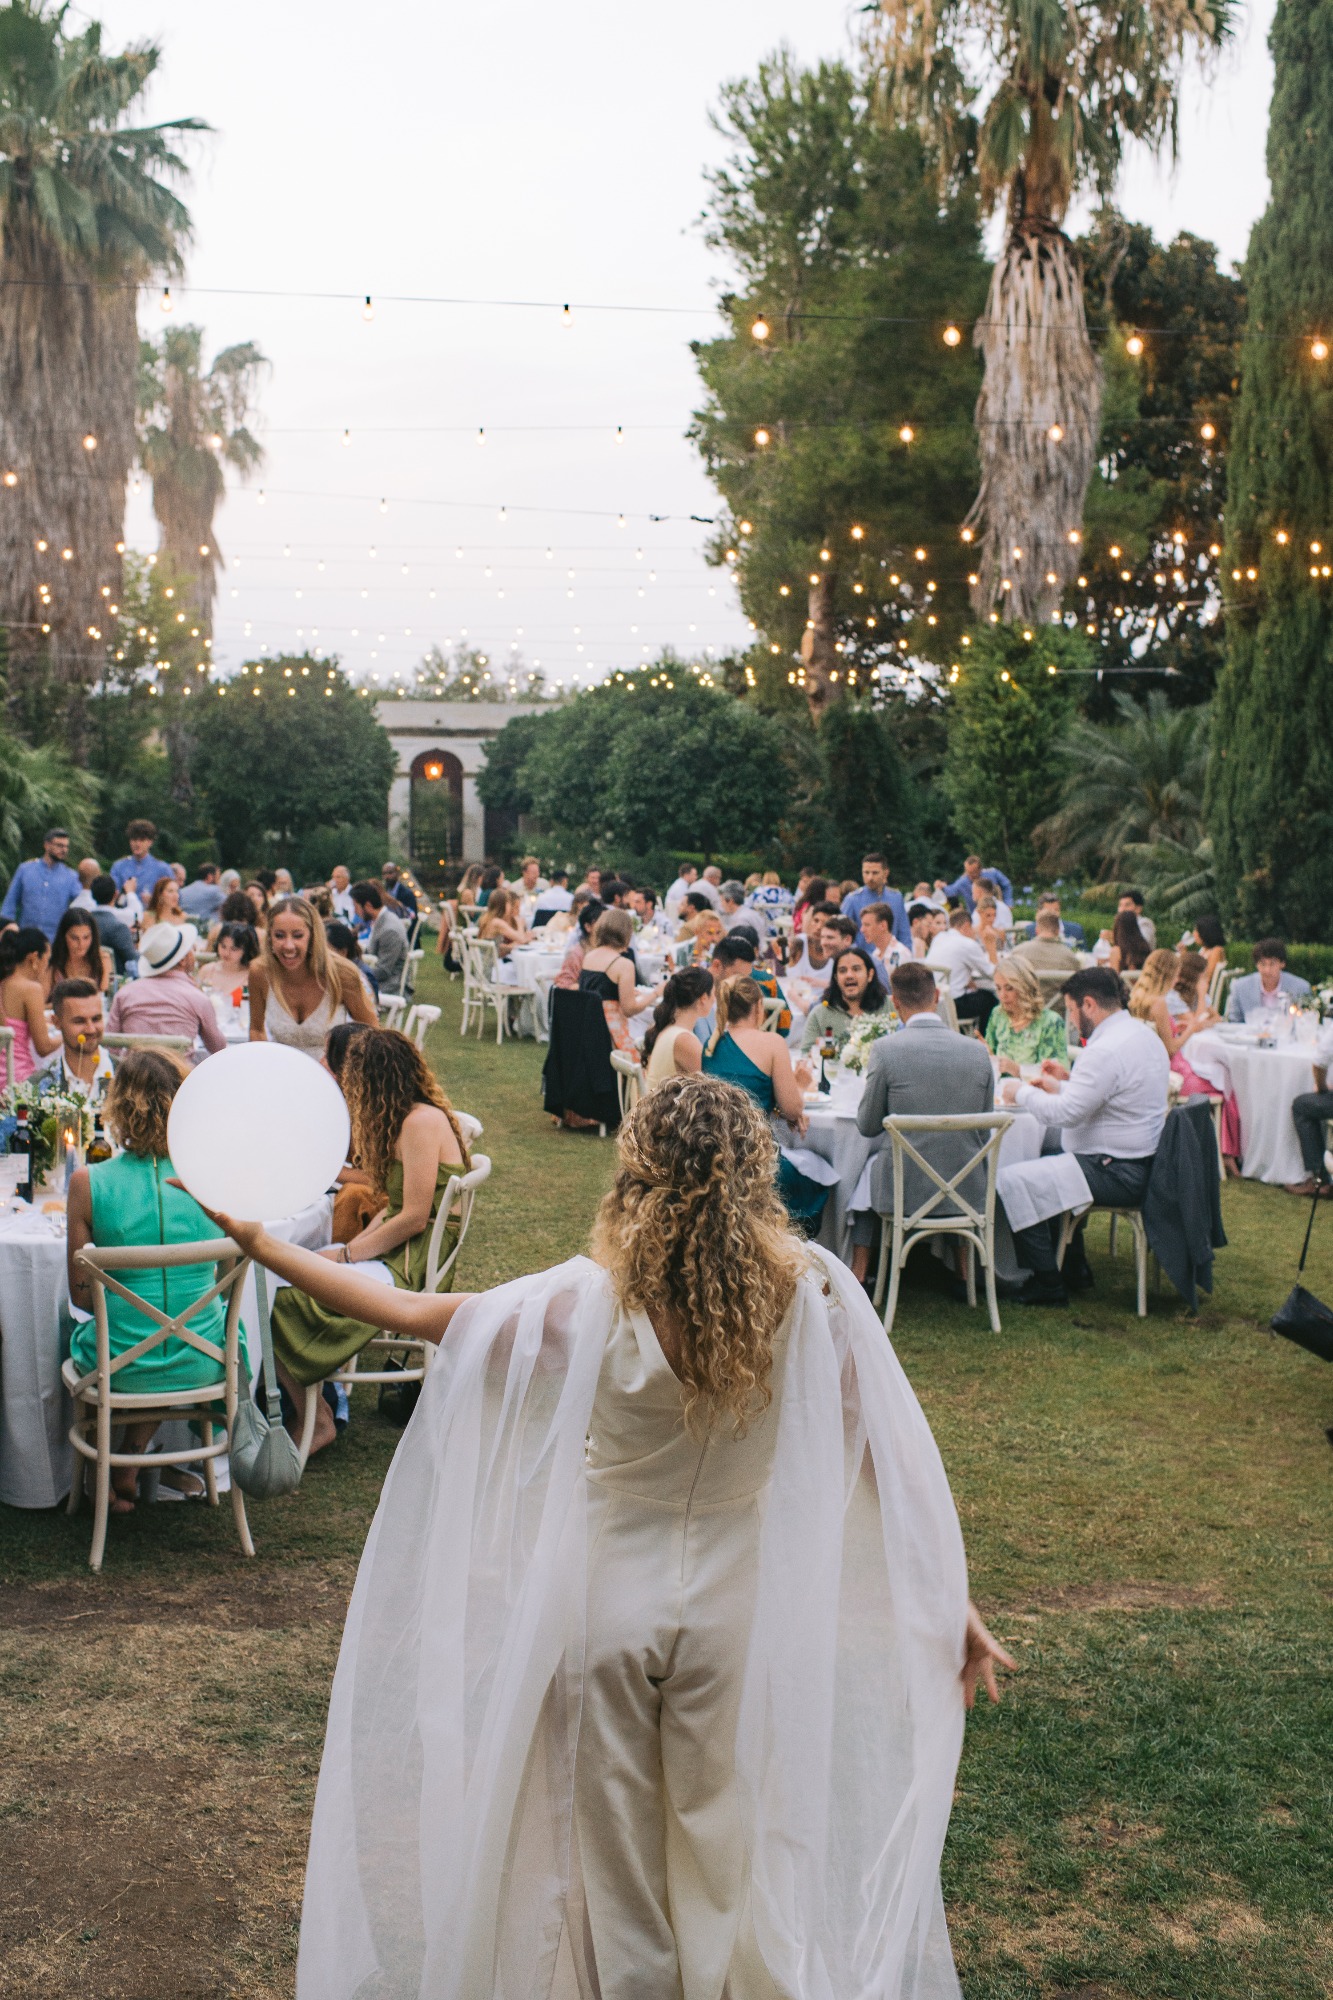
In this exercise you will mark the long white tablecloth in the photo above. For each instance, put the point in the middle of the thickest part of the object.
(1266, 1082)
(35, 1455)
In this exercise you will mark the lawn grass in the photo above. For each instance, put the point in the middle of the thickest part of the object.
(1149, 1812)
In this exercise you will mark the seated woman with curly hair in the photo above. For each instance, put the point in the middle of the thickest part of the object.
(407, 1142)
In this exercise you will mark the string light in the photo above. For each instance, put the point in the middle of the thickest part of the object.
(761, 437)
(481, 436)
(11, 479)
(368, 309)
(760, 329)
(1318, 350)
(951, 336)
(1134, 345)
(90, 442)
(858, 534)
(165, 303)
(907, 434)
(1207, 432)
(1055, 433)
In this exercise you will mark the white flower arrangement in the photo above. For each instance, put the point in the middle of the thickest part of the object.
(50, 1112)
(867, 1029)
(1323, 1000)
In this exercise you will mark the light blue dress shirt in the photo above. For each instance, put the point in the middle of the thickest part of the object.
(40, 892)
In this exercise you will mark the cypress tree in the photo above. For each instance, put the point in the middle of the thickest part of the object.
(1270, 797)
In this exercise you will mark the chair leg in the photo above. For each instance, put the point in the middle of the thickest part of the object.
(210, 1465)
(79, 1482)
(312, 1396)
(882, 1273)
(992, 1305)
(970, 1273)
(243, 1534)
(1141, 1264)
(102, 1501)
(895, 1279)
(1111, 1245)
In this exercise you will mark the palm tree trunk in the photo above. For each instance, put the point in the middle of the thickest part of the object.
(186, 520)
(818, 643)
(1038, 418)
(68, 360)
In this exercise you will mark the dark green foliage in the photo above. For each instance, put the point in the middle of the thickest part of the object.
(1157, 475)
(835, 229)
(1008, 713)
(649, 762)
(1270, 801)
(869, 800)
(284, 753)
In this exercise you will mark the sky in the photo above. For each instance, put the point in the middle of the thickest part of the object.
(458, 473)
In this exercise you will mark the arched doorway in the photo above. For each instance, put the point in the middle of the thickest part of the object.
(435, 826)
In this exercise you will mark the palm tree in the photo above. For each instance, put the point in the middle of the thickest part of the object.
(86, 217)
(191, 425)
(1132, 790)
(1041, 95)
(40, 789)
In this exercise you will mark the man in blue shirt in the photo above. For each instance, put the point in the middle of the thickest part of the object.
(41, 891)
(140, 869)
(203, 897)
(875, 876)
(972, 881)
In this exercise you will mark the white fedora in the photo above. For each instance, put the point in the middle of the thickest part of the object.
(164, 947)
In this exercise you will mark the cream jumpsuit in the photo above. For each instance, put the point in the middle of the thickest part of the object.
(673, 1539)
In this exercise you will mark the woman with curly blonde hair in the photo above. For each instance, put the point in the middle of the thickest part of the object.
(408, 1145)
(655, 1671)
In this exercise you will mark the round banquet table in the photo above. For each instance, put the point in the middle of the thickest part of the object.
(1266, 1082)
(35, 1454)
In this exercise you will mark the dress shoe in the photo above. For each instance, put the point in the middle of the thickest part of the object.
(1044, 1288)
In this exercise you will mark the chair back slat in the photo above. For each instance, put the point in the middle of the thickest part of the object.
(99, 1264)
(461, 1199)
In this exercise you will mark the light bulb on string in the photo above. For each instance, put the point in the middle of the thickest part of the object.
(1318, 349)
(1055, 433)
(1207, 432)
(951, 336)
(347, 437)
(90, 442)
(1134, 345)
(759, 329)
(166, 304)
(368, 309)
(906, 433)
(566, 317)
(620, 434)
(481, 435)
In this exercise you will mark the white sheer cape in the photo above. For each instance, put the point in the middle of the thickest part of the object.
(440, 1854)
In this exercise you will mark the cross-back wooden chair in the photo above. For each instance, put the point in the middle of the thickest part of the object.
(945, 1210)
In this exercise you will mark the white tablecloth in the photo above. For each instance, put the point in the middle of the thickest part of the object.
(35, 1414)
(1267, 1083)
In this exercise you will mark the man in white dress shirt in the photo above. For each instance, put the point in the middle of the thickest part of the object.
(80, 1067)
(1109, 1112)
(877, 930)
(686, 878)
(970, 970)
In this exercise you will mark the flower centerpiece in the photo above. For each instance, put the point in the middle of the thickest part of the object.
(866, 1030)
(1322, 998)
(50, 1112)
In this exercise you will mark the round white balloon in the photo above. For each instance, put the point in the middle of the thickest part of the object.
(258, 1131)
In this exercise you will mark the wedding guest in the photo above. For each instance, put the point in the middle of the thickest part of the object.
(41, 891)
(24, 953)
(80, 1066)
(671, 1047)
(1069, 932)
(759, 1062)
(1045, 951)
(608, 972)
(237, 948)
(1270, 986)
(588, 915)
(853, 990)
(396, 885)
(204, 897)
(1021, 1029)
(164, 999)
(112, 931)
(87, 871)
(769, 895)
(1149, 1002)
(706, 932)
(132, 1199)
(643, 904)
(884, 948)
(815, 893)
(407, 1141)
(956, 951)
(77, 952)
(968, 885)
(876, 890)
(733, 909)
(1130, 904)
(387, 939)
(258, 898)
(989, 936)
(811, 960)
(1309, 1113)
(140, 869)
(736, 956)
(686, 877)
(553, 900)
(343, 940)
(924, 1072)
(1129, 947)
(340, 894)
(501, 923)
(564, 923)
(1110, 1112)
(267, 879)
(491, 879)
(298, 988)
(711, 883)
(926, 921)
(469, 885)
(1211, 941)
(162, 905)
(238, 908)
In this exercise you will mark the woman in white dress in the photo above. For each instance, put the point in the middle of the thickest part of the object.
(653, 1680)
(299, 989)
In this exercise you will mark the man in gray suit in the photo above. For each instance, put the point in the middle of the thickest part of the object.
(924, 1071)
(1269, 986)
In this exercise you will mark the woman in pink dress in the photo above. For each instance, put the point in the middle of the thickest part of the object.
(1165, 978)
(23, 957)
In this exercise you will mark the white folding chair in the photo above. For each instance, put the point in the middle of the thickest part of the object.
(1219, 986)
(478, 955)
(6, 1057)
(412, 1356)
(391, 1006)
(947, 1211)
(181, 1044)
(773, 1006)
(420, 1020)
(99, 1405)
(1134, 1217)
(470, 1127)
(629, 1080)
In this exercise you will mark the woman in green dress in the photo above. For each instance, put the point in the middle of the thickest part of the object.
(759, 1063)
(1021, 1029)
(130, 1200)
(408, 1143)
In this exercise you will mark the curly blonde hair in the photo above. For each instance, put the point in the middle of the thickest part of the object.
(1153, 983)
(139, 1097)
(383, 1076)
(693, 1228)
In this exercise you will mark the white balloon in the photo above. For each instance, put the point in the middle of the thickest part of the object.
(258, 1131)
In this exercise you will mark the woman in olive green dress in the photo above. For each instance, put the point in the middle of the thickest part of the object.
(407, 1141)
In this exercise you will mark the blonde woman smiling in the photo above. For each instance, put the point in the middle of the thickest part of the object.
(299, 989)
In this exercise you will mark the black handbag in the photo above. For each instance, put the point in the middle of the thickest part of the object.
(1301, 1316)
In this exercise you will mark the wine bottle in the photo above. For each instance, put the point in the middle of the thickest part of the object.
(100, 1148)
(20, 1141)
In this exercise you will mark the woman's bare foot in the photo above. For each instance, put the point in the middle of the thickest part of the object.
(124, 1492)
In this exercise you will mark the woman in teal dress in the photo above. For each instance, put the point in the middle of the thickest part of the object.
(1021, 1029)
(744, 1053)
(407, 1142)
(130, 1200)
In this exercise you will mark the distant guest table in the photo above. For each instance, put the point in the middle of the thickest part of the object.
(35, 1454)
(1267, 1082)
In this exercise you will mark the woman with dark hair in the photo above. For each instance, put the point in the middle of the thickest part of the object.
(609, 973)
(585, 923)
(1212, 942)
(257, 894)
(574, 1696)
(1129, 947)
(237, 908)
(816, 891)
(343, 940)
(671, 1047)
(237, 948)
(77, 953)
(491, 879)
(408, 1144)
(853, 990)
(24, 954)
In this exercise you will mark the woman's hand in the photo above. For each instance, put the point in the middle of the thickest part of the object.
(804, 1075)
(984, 1654)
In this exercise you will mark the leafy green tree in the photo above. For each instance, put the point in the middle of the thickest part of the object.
(1153, 543)
(841, 442)
(87, 215)
(868, 797)
(1041, 99)
(1270, 801)
(192, 424)
(286, 748)
(38, 789)
(1134, 783)
(1012, 697)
